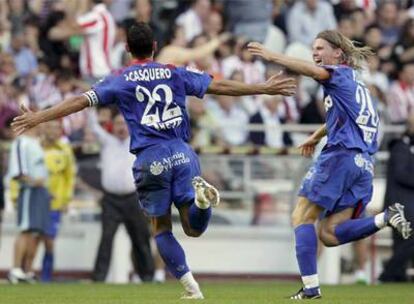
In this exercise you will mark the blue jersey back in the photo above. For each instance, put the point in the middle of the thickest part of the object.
(351, 117)
(151, 97)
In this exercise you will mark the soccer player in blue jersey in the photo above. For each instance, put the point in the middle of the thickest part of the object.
(338, 186)
(151, 96)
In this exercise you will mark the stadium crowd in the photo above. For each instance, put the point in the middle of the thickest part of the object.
(52, 49)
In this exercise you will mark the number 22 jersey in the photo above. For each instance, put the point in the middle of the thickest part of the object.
(151, 97)
(351, 117)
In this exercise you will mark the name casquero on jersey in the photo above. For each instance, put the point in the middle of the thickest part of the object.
(151, 97)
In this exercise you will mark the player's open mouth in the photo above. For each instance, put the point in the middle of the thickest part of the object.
(318, 61)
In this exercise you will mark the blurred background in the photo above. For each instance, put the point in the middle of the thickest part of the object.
(52, 49)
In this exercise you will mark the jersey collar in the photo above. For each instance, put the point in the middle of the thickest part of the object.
(139, 61)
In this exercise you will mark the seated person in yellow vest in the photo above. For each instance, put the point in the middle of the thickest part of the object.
(27, 167)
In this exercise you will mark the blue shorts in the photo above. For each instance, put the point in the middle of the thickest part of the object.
(33, 206)
(163, 175)
(54, 223)
(339, 179)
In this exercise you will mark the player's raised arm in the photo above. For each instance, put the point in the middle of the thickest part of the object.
(275, 85)
(299, 66)
(30, 119)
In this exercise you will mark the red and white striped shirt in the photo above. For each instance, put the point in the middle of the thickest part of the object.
(99, 36)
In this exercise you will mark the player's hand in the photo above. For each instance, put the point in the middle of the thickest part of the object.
(258, 49)
(280, 85)
(308, 147)
(25, 121)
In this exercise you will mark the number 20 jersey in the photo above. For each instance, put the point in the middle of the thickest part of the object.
(151, 96)
(351, 117)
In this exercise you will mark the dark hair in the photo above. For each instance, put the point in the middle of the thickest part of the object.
(140, 40)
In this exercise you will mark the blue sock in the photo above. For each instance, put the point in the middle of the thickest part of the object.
(47, 267)
(353, 230)
(172, 253)
(306, 254)
(199, 218)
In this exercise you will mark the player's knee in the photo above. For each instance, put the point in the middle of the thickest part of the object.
(328, 238)
(299, 218)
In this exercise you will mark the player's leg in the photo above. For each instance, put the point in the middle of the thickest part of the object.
(173, 255)
(341, 227)
(195, 215)
(304, 217)
(192, 195)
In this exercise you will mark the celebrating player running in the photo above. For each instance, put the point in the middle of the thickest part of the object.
(151, 96)
(339, 185)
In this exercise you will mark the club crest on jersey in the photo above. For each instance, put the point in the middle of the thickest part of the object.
(156, 168)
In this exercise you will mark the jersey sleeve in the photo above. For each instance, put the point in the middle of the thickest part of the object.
(196, 82)
(102, 93)
(337, 75)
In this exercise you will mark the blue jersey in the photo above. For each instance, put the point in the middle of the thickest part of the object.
(151, 97)
(351, 117)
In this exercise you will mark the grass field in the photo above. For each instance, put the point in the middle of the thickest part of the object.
(215, 292)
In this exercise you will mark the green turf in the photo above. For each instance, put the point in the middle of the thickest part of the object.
(217, 293)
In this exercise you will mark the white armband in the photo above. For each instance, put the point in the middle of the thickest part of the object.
(92, 97)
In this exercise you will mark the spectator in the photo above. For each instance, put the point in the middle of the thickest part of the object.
(98, 30)
(1, 190)
(232, 120)
(214, 26)
(74, 124)
(54, 48)
(18, 12)
(24, 58)
(250, 19)
(268, 115)
(60, 163)
(177, 53)
(387, 20)
(400, 188)
(119, 55)
(400, 97)
(202, 122)
(193, 19)
(120, 201)
(27, 167)
(345, 27)
(309, 17)
(120, 10)
(403, 50)
(42, 89)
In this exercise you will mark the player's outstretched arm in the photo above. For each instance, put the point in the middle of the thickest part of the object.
(299, 66)
(275, 85)
(30, 119)
(308, 147)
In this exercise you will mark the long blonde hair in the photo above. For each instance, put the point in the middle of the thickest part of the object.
(352, 55)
